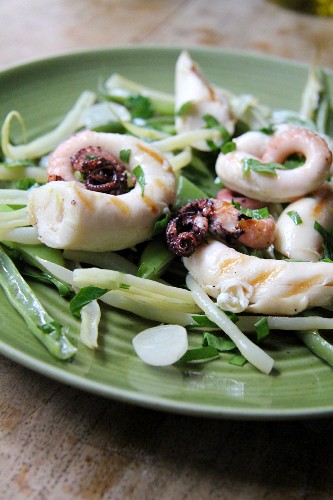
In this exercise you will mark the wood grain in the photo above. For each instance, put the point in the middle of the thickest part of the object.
(60, 443)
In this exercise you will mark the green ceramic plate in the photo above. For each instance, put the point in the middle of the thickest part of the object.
(300, 386)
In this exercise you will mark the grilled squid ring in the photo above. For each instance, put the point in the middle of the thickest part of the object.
(69, 216)
(286, 185)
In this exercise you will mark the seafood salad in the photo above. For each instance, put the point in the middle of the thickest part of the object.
(201, 210)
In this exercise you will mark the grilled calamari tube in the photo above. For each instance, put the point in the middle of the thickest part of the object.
(84, 207)
(242, 282)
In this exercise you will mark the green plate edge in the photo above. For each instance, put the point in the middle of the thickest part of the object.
(301, 385)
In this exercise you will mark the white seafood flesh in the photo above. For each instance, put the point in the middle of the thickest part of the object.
(265, 286)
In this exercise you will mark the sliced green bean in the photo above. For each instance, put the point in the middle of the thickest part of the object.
(154, 260)
(40, 323)
(318, 345)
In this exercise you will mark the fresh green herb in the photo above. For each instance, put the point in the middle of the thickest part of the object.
(262, 329)
(327, 236)
(200, 354)
(232, 316)
(25, 183)
(228, 147)
(202, 321)
(125, 155)
(262, 168)
(139, 106)
(30, 272)
(31, 254)
(212, 122)
(256, 213)
(221, 342)
(238, 360)
(268, 130)
(295, 217)
(84, 296)
(185, 108)
(140, 176)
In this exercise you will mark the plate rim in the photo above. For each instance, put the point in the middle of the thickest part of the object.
(167, 47)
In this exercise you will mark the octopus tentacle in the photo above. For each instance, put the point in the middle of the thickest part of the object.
(102, 172)
(185, 232)
(199, 219)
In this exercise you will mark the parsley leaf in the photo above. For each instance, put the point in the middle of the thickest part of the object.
(199, 354)
(262, 329)
(125, 155)
(221, 342)
(255, 213)
(185, 108)
(212, 122)
(238, 360)
(327, 236)
(84, 296)
(261, 168)
(140, 177)
(228, 147)
(139, 106)
(295, 217)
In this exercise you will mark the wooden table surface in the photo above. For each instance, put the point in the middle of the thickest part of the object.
(57, 442)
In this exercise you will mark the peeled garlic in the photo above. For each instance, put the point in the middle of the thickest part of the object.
(161, 345)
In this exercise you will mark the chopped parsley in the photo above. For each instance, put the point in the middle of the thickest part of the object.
(262, 329)
(327, 235)
(295, 217)
(221, 342)
(139, 106)
(294, 161)
(255, 213)
(238, 360)
(185, 108)
(212, 122)
(269, 130)
(84, 296)
(228, 147)
(125, 155)
(262, 168)
(200, 354)
(140, 177)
